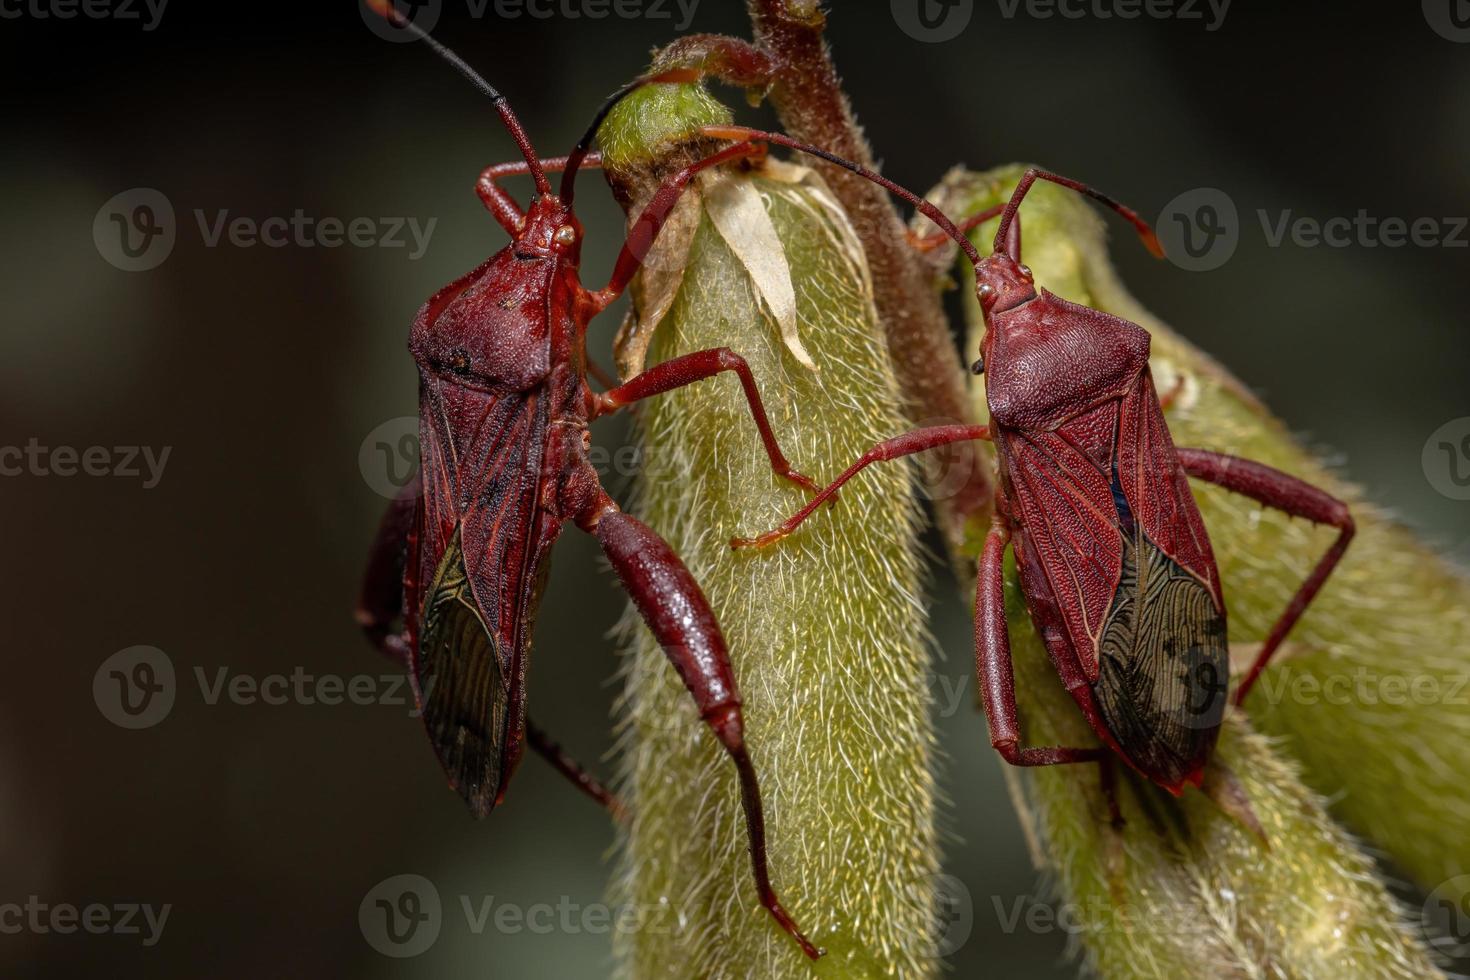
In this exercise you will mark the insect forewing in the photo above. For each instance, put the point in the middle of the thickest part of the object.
(483, 541)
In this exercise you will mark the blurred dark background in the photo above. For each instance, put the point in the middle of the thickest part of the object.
(266, 369)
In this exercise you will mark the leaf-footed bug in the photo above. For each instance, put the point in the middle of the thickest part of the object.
(504, 406)
(1094, 499)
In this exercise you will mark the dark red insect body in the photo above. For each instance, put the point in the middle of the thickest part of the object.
(1114, 559)
(1115, 563)
(504, 410)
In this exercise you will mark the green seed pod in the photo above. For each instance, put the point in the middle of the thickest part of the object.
(827, 637)
(1186, 889)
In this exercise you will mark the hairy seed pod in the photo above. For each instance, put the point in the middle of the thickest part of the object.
(827, 637)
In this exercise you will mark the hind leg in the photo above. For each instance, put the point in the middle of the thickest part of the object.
(994, 670)
(676, 611)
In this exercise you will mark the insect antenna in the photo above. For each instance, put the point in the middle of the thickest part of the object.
(1008, 216)
(1030, 177)
(387, 10)
(922, 206)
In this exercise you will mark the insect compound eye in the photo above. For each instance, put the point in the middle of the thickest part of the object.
(986, 291)
(1026, 271)
(565, 235)
(978, 367)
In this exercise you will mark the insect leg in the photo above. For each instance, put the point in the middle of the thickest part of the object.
(380, 602)
(905, 445)
(675, 609)
(1107, 768)
(1290, 496)
(686, 370)
(641, 236)
(1168, 398)
(498, 200)
(553, 753)
(993, 669)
